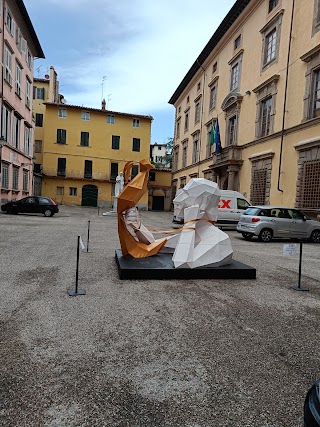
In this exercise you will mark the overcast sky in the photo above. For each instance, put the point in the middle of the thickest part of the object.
(144, 48)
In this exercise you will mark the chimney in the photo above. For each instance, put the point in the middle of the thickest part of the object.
(103, 105)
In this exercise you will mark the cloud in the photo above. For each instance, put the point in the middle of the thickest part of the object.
(145, 48)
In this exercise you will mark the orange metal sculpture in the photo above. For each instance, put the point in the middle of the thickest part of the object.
(128, 198)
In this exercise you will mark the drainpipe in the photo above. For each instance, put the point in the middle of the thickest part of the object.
(285, 98)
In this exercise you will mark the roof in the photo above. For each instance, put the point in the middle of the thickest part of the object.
(229, 19)
(158, 145)
(30, 28)
(36, 79)
(80, 107)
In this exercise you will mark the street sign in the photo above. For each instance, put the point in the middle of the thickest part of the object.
(289, 249)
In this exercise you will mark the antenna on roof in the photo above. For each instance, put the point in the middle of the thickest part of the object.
(109, 99)
(38, 70)
(103, 79)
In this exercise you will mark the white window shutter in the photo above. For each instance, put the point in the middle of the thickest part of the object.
(23, 45)
(13, 27)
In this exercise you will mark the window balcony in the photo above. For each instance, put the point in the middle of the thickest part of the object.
(230, 155)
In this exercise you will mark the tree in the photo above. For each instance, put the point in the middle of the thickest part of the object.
(169, 148)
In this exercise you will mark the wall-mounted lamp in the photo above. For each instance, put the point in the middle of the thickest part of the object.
(248, 92)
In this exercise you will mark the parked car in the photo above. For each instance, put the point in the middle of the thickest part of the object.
(267, 222)
(33, 204)
(231, 206)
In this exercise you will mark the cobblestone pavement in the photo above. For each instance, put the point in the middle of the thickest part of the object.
(149, 353)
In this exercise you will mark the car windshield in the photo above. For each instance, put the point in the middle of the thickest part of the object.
(251, 211)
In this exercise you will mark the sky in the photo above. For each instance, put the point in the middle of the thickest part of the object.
(139, 49)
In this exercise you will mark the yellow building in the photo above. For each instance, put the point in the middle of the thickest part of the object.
(160, 189)
(259, 75)
(80, 150)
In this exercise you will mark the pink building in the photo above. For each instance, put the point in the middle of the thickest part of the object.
(19, 46)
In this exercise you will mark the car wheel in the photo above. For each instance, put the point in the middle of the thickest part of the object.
(247, 236)
(48, 212)
(315, 236)
(265, 235)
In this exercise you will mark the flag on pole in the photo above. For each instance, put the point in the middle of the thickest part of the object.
(212, 134)
(217, 139)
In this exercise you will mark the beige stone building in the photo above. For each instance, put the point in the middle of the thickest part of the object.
(259, 75)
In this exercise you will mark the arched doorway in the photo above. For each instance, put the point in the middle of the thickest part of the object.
(158, 200)
(89, 195)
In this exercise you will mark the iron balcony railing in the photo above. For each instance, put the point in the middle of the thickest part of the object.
(76, 174)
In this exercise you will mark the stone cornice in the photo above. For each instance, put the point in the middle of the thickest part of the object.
(272, 79)
(308, 56)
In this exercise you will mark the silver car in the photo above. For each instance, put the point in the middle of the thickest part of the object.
(267, 222)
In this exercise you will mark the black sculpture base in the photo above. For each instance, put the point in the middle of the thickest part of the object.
(160, 267)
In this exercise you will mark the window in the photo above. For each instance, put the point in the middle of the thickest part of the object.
(72, 191)
(188, 99)
(175, 158)
(136, 144)
(316, 94)
(61, 136)
(178, 129)
(242, 204)
(134, 171)
(38, 146)
(85, 115)
(18, 79)
(197, 112)
(25, 181)
(39, 120)
(235, 77)
(182, 182)
(37, 168)
(232, 128)
(60, 191)
(179, 109)
(115, 142)
(61, 167)
(198, 86)
(110, 119)
(27, 139)
(258, 187)
(195, 153)
(84, 139)
(214, 67)
(152, 176)
(40, 91)
(15, 178)
(186, 121)
(114, 171)
(8, 64)
(5, 176)
(237, 42)
(136, 123)
(270, 46)
(265, 116)
(9, 21)
(311, 184)
(29, 59)
(88, 169)
(28, 92)
(272, 5)
(62, 112)
(212, 100)
(6, 124)
(16, 131)
(184, 153)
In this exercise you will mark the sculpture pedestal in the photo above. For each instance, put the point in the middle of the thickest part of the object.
(160, 267)
(114, 208)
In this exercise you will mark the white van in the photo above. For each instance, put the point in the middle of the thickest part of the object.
(231, 206)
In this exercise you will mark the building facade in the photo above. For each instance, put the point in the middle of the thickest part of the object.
(259, 77)
(158, 155)
(160, 189)
(19, 46)
(82, 150)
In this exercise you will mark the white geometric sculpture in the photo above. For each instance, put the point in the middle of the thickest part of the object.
(199, 243)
